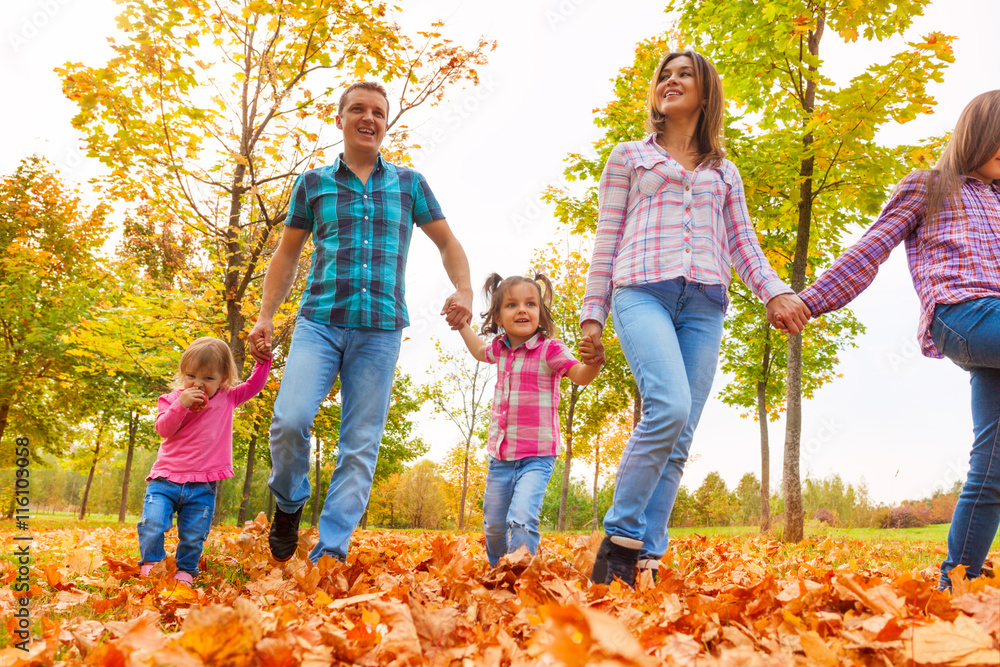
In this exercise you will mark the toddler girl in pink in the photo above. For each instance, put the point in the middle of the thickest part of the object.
(196, 424)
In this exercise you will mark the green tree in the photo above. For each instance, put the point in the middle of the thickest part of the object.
(748, 495)
(50, 278)
(420, 496)
(715, 504)
(207, 111)
(458, 391)
(813, 158)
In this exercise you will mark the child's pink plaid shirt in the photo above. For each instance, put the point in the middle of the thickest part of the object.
(525, 418)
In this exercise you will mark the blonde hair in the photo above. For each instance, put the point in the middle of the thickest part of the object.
(497, 288)
(708, 133)
(973, 143)
(207, 352)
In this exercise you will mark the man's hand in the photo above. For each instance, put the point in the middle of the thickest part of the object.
(788, 313)
(591, 330)
(259, 340)
(458, 309)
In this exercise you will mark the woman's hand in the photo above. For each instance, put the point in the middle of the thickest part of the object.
(788, 313)
(590, 331)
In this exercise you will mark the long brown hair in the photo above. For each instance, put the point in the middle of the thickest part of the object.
(497, 288)
(210, 353)
(973, 143)
(708, 134)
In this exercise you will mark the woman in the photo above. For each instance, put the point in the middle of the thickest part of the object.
(673, 221)
(949, 218)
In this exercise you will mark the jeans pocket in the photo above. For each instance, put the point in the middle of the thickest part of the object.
(949, 342)
(717, 295)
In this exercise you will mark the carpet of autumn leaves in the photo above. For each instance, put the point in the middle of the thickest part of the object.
(431, 599)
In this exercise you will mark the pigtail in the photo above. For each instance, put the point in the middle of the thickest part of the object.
(546, 324)
(491, 318)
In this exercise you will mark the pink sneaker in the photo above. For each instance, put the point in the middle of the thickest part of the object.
(183, 577)
(145, 568)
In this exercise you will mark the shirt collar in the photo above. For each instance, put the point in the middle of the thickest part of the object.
(531, 344)
(339, 163)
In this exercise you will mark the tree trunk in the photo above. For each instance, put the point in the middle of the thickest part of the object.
(574, 396)
(133, 426)
(765, 445)
(4, 411)
(248, 477)
(315, 516)
(794, 519)
(465, 483)
(217, 518)
(93, 467)
(270, 504)
(636, 406)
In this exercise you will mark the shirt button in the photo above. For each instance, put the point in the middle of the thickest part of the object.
(366, 217)
(363, 289)
(366, 242)
(688, 187)
(365, 265)
(366, 196)
(687, 249)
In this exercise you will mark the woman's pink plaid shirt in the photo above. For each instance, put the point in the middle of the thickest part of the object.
(658, 222)
(525, 418)
(953, 260)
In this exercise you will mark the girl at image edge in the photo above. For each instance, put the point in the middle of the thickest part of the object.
(196, 423)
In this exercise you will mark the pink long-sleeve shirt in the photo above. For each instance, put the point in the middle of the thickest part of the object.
(198, 446)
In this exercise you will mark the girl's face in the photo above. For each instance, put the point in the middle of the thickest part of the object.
(677, 91)
(206, 379)
(519, 310)
(989, 172)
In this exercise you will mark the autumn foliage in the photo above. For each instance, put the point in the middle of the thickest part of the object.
(431, 599)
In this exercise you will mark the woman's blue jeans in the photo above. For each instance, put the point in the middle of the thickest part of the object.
(365, 359)
(194, 505)
(670, 333)
(512, 504)
(969, 334)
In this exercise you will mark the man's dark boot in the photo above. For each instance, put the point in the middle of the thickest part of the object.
(623, 555)
(616, 557)
(283, 537)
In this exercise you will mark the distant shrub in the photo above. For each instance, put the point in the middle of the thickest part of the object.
(905, 516)
(823, 515)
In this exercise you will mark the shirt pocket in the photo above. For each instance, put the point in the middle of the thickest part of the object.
(654, 176)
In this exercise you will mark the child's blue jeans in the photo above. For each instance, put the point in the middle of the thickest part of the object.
(194, 504)
(969, 334)
(513, 502)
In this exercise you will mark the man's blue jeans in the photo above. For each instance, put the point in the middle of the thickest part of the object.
(194, 504)
(670, 333)
(365, 359)
(513, 502)
(969, 334)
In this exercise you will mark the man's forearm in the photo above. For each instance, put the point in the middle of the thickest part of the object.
(456, 265)
(277, 284)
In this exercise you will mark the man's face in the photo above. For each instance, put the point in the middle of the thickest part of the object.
(363, 121)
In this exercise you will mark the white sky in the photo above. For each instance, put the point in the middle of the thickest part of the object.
(895, 419)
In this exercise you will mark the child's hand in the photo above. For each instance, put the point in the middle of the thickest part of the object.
(193, 396)
(263, 347)
(591, 351)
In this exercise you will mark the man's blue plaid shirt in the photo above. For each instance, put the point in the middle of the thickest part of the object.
(361, 235)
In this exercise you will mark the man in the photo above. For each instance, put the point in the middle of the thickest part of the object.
(360, 212)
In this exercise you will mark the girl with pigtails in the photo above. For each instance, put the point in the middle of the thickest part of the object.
(524, 424)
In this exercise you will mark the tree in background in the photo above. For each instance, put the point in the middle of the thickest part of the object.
(458, 390)
(207, 112)
(814, 162)
(50, 278)
(716, 505)
(420, 496)
(465, 476)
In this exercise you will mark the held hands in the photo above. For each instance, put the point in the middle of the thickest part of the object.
(591, 351)
(788, 313)
(259, 340)
(591, 347)
(458, 309)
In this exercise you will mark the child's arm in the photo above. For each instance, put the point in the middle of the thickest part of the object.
(584, 374)
(254, 384)
(169, 415)
(476, 345)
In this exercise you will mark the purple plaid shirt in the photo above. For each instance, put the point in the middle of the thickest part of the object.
(525, 417)
(953, 260)
(658, 221)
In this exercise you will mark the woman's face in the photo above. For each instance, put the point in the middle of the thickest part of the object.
(989, 172)
(677, 91)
